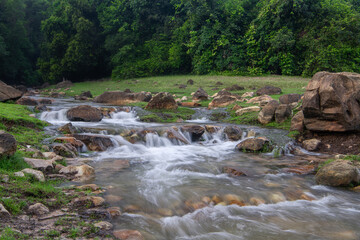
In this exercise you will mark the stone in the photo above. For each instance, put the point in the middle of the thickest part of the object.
(49, 155)
(67, 129)
(331, 102)
(88, 187)
(247, 110)
(233, 171)
(84, 113)
(64, 84)
(200, 95)
(114, 211)
(95, 142)
(311, 144)
(258, 144)
(3, 212)
(257, 201)
(8, 93)
(190, 82)
(195, 131)
(88, 201)
(128, 235)
(173, 134)
(162, 100)
(301, 170)
(182, 86)
(277, 197)
(19, 174)
(338, 173)
(73, 141)
(222, 101)
(297, 122)
(282, 113)
(233, 133)
(8, 144)
(41, 108)
(212, 129)
(231, 199)
(82, 172)
(261, 100)
(234, 87)
(86, 94)
(122, 98)
(190, 104)
(65, 150)
(27, 101)
(38, 209)
(248, 94)
(106, 226)
(267, 114)
(290, 98)
(40, 164)
(36, 173)
(268, 90)
(45, 101)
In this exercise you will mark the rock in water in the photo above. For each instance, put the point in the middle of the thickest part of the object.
(122, 98)
(337, 173)
(233, 133)
(84, 113)
(258, 144)
(7, 144)
(8, 93)
(331, 102)
(162, 100)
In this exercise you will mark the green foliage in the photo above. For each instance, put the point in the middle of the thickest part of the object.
(13, 163)
(9, 234)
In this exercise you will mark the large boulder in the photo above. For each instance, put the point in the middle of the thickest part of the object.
(7, 144)
(282, 113)
(233, 133)
(297, 122)
(290, 98)
(27, 101)
(259, 144)
(222, 101)
(267, 114)
(95, 142)
(84, 113)
(200, 95)
(268, 90)
(163, 100)
(338, 173)
(122, 98)
(332, 102)
(8, 93)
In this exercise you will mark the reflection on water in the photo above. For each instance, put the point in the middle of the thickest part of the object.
(168, 189)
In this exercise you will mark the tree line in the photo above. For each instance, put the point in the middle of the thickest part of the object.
(49, 40)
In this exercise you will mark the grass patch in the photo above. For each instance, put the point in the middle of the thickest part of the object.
(166, 116)
(353, 158)
(9, 234)
(13, 163)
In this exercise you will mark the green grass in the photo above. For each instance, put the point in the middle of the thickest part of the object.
(9, 234)
(15, 120)
(166, 116)
(13, 163)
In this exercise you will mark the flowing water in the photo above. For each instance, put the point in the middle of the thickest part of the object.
(171, 190)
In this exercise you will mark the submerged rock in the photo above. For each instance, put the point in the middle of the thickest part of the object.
(84, 113)
(338, 173)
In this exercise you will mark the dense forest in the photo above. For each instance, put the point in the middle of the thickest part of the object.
(49, 40)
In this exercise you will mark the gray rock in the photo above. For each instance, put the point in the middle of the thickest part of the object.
(311, 144)
(38, 209)
(7, 144)
(40, 164)
(3, 212)
(36, 173)
(337, 173)
(258, 144)
(282, 113)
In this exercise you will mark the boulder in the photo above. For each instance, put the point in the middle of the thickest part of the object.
(267, 114)
(106, 226)
(128, 235)
(282, 113)
(268, 90)
(36, 173)
(88, 201)
(67, 129)
(297, 122)
(122, 98)
(247, 110)
(38, 209)
(212, 129)
(222, 101)
(40, 164)
(195, 131)
(94, 142)
(311, 144)
(332, 102)
(338, 173)
(3, 212)
(200, 95)
(233, 133)
(8, 93)
(64, 84)
(65, 150)
(162, 100)
(290, 98)
(86, 94)
(27, 101)
(7, 144)
(261, 100)
(258, 144)
(190, 82)
(84, 113)
(248, 94)
(82, 172)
